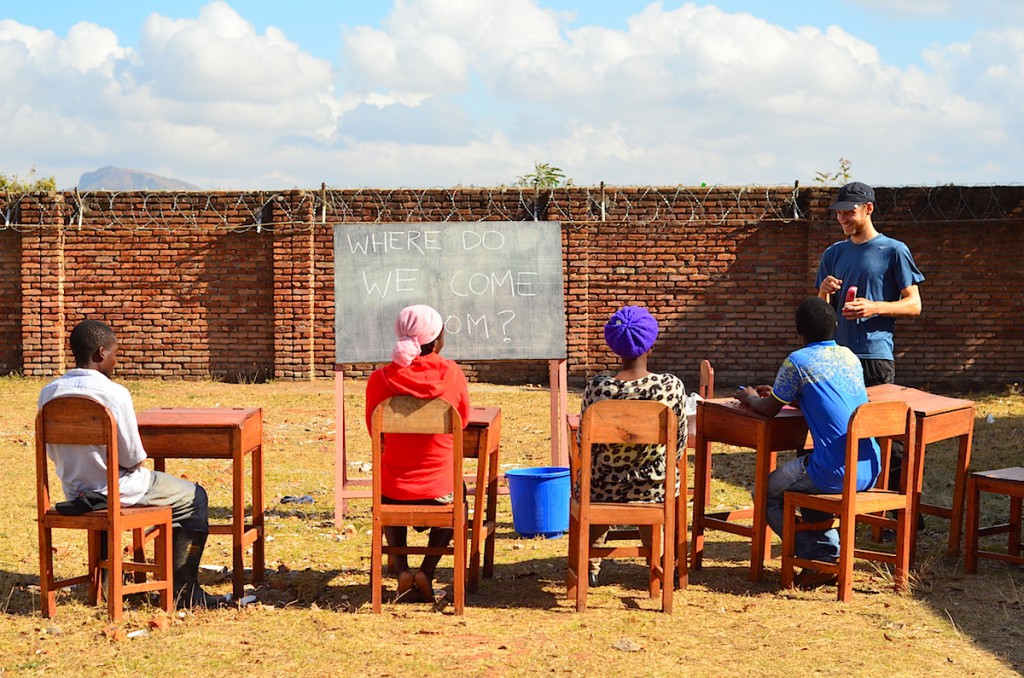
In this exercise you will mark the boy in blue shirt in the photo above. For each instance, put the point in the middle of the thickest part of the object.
(826, 382)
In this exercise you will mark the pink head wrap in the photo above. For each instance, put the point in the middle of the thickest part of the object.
(415, 326)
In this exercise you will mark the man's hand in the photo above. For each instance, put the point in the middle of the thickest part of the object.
(860, 308)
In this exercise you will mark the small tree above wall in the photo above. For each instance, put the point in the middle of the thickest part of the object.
(543, 175)
(825, 179)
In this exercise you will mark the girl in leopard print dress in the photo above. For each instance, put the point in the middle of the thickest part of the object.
(631, 473)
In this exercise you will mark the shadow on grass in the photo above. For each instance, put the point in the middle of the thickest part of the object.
(223, 514)
(19, 593)
(524, 585)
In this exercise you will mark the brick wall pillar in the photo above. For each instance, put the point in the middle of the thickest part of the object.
(296, 314)
(44, 337)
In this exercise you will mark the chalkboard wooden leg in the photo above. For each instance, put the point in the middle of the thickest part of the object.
(558, 377)
(340, 467)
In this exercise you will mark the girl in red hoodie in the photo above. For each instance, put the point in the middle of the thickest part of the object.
(417, 468)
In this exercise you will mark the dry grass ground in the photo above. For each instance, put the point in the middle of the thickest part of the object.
(313, 618)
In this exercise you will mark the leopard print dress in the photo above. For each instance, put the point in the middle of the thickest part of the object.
(634, 473)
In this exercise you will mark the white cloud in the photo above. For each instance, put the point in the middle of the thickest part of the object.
(219, 57)
(996, 12)
(474, 91)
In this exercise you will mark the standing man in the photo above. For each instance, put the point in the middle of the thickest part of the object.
(886, 277)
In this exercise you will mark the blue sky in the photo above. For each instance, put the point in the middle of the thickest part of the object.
(252, 94)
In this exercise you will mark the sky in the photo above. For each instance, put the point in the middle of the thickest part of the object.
(265, 95)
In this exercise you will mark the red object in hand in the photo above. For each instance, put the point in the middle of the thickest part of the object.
(851, 293)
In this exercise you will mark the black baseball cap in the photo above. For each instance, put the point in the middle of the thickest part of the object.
(853, 194)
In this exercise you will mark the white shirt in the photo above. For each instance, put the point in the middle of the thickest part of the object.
(84, 467)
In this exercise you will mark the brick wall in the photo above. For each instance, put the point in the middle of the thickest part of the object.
(10, 300)
(239, 286)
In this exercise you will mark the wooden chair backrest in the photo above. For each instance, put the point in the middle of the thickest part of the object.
(76, 420)
(706, 388)
(627, 422)
(894, 420)
(406, 414)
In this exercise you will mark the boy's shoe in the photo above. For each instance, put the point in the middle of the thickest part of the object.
(808, 579)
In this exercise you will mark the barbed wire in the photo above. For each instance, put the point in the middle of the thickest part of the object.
(303, 210)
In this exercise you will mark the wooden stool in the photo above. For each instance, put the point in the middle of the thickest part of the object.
(1007, 481)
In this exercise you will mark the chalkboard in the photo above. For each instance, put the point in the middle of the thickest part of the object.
(497, 284)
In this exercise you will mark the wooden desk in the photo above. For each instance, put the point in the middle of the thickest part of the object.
(724, 420)
(217, 433)
(938, 418)
(480, 440)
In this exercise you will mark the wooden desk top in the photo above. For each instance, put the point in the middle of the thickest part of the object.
(482, 417)
(923, 403)
(787, 412)
(196, 417)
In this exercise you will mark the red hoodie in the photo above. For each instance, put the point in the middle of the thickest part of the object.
(416, 465)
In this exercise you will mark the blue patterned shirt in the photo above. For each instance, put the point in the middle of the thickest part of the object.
(827, 382)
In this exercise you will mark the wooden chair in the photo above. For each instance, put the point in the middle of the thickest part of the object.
(405, 414)
(706, 388)
(871, 420)
(1005, 481)
(627, 422)
(75, 420)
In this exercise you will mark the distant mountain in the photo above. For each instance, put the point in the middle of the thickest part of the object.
(119, 179)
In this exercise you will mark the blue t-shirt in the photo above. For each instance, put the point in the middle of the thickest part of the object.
(880, 269)
(827, 381)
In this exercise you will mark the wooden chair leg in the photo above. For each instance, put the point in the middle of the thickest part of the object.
(95, 538)
(971, 537)
(654, 572)
(115, 578)
(165, 560)
(667, 567)
(572, 575)
(788, 542)
(376, 564)
(459, 574)
(47, 594)
(582, 563)
(681, 541)
(847, 525)
(904, 535)
(473, 573)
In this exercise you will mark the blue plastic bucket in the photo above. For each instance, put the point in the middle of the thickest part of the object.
(540, 500)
